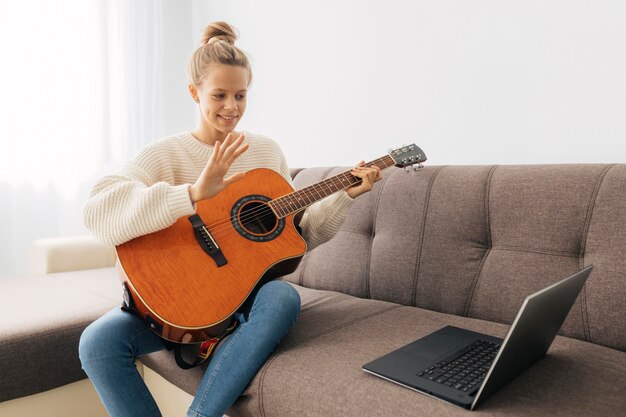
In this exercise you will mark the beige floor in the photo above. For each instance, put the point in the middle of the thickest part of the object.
(172, 401)
(79, 399)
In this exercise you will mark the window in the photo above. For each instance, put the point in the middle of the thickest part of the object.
(51, 106)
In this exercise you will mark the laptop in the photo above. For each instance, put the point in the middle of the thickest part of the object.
(464, 367)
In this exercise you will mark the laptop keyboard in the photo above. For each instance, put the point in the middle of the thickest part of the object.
(464, 370)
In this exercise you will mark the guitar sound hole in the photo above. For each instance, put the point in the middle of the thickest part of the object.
(257, 218)
(253, 218)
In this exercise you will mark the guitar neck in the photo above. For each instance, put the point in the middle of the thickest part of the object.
(301, 199)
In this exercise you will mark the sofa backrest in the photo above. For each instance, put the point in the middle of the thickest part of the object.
(475, 240)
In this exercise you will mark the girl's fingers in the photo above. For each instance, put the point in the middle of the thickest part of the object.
(234, 178)
(238, 152)
(228, 143)
(372, 174)
(233, 146)
(216, 149)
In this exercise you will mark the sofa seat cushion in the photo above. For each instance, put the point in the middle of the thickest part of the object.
(42, 319)
(316, 370)
(322, 312)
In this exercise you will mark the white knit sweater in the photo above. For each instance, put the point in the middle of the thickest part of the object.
(152, 191)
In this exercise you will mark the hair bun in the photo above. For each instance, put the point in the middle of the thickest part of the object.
(217, 47)
(219, 31)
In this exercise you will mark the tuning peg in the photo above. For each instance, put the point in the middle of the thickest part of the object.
(416, 167)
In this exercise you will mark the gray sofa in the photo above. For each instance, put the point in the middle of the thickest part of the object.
(445, 245)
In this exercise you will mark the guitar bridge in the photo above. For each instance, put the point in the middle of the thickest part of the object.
(204, 238)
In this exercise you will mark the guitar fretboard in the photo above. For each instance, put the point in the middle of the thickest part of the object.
(298, 200)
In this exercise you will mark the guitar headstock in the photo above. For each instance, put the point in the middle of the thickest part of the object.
(407, 155)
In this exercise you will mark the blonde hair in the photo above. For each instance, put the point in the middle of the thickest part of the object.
(216, 47)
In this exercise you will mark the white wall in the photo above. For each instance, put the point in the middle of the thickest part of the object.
(178, 44)
(471, 82)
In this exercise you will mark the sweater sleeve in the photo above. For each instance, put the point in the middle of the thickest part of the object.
(322, 220)
(132, 203)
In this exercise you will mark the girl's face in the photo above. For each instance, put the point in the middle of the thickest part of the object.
(222, 95)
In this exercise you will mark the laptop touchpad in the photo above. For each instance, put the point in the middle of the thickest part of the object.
(434, 346)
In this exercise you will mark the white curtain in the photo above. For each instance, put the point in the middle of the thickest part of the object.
(80, 93)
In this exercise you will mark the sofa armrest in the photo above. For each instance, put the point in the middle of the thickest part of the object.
(69, 253)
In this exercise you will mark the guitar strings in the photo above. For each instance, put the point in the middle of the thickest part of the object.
(215, 227)
(224, 232)
(226, 224)
(335, 180)
(251, 213)
(263, 212)
(224, 228)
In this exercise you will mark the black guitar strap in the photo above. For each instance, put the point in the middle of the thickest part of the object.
(206, 349)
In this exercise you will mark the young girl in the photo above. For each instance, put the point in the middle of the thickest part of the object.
(162, 184)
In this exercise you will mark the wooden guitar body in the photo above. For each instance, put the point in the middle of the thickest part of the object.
(188, 280)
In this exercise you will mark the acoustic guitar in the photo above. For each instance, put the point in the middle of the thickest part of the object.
(188, 280)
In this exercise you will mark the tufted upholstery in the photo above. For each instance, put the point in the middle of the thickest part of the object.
(454, 245)
(475, 240)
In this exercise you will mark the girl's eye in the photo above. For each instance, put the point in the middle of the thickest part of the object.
(221, 96)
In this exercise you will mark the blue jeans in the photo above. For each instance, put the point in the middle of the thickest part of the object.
(108, 348)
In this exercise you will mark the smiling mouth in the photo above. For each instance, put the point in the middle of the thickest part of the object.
(229, 118)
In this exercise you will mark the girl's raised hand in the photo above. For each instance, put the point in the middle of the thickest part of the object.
(211, 181)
